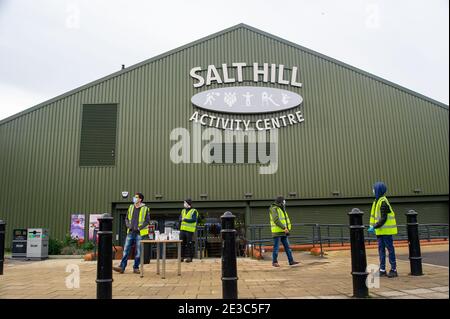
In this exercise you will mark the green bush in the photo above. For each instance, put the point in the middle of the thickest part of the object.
(68, 250)
(54, 246)
(87, 246)
(71, 250)
(69, 241)
(69, 246)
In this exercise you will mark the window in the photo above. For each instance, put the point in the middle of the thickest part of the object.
(98, 135)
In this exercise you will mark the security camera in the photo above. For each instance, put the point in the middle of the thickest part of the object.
(124, 195)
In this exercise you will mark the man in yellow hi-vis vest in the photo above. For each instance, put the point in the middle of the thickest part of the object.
(384, 225)
(188, 226)
(137, 221)
(280, 225)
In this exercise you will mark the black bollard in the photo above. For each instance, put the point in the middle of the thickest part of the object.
(2, 244)
(415, 258)
(359, 261)
(229, 267)
(104, 259)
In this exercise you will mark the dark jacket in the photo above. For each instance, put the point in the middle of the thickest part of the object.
(134, 222)
(380, 189)
(189, 220)
(385, 210)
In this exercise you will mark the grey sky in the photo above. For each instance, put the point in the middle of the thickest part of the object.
(50, 47)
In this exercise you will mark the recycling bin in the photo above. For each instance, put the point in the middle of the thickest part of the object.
(37, 243)
(19, 244)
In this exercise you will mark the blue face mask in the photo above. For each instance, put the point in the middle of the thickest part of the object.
(135, 200)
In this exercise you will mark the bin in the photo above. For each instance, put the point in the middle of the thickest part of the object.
(19, 244)
(37, 243)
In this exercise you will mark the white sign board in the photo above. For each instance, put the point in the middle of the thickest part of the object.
(246, 99)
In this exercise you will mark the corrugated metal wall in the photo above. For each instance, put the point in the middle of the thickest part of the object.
(357, 130)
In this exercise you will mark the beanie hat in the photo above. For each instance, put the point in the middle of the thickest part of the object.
(279, 199)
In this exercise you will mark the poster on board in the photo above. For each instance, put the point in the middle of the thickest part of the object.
(93, 223)
(77, 222)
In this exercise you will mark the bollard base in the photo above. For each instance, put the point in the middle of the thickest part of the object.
(361, 296)
(360, 289)
(367, 297)
(416, 274)
(229, 288)
(416, 266)
(104, 290)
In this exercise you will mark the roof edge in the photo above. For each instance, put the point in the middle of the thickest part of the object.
(120, 72)
(209, 37)
(343, 64)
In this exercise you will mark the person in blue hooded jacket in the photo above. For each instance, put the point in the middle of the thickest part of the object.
(384, 225)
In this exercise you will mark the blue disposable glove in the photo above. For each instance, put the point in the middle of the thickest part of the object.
(371, 229)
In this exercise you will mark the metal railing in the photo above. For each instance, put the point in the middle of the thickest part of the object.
(426, 232)
(201, 240)
(332, 234)
(256, 238)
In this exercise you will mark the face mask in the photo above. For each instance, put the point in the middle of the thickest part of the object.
(373, 191)
(284, 203)
(135, 199)
(186, 205)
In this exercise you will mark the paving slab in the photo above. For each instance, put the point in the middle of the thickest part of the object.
(316, 277)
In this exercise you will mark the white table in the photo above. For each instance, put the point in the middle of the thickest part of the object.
(158, 243)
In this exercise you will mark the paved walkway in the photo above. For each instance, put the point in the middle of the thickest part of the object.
(315, 277)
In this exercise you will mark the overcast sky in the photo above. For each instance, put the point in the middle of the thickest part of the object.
(50, 47)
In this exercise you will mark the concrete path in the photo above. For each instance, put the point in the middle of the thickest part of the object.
(434, 258)
(315, 277)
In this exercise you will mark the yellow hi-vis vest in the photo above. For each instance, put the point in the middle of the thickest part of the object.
(390, 226)
(142, 213)
(190, 227)
(284, 219)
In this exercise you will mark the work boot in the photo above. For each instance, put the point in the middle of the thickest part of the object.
(136, 271)
(120, 270)
(382, 273)
(189, 260)
(392, 274)
(275, 264)
(182, 259)
(294, 263)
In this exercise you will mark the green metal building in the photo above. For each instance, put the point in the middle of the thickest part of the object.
(76, 153)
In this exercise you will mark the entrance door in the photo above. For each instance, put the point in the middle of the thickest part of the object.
(213, 223)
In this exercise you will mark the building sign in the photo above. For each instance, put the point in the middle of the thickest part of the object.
(245, 100)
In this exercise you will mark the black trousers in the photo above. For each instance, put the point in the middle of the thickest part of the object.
(187, 246)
